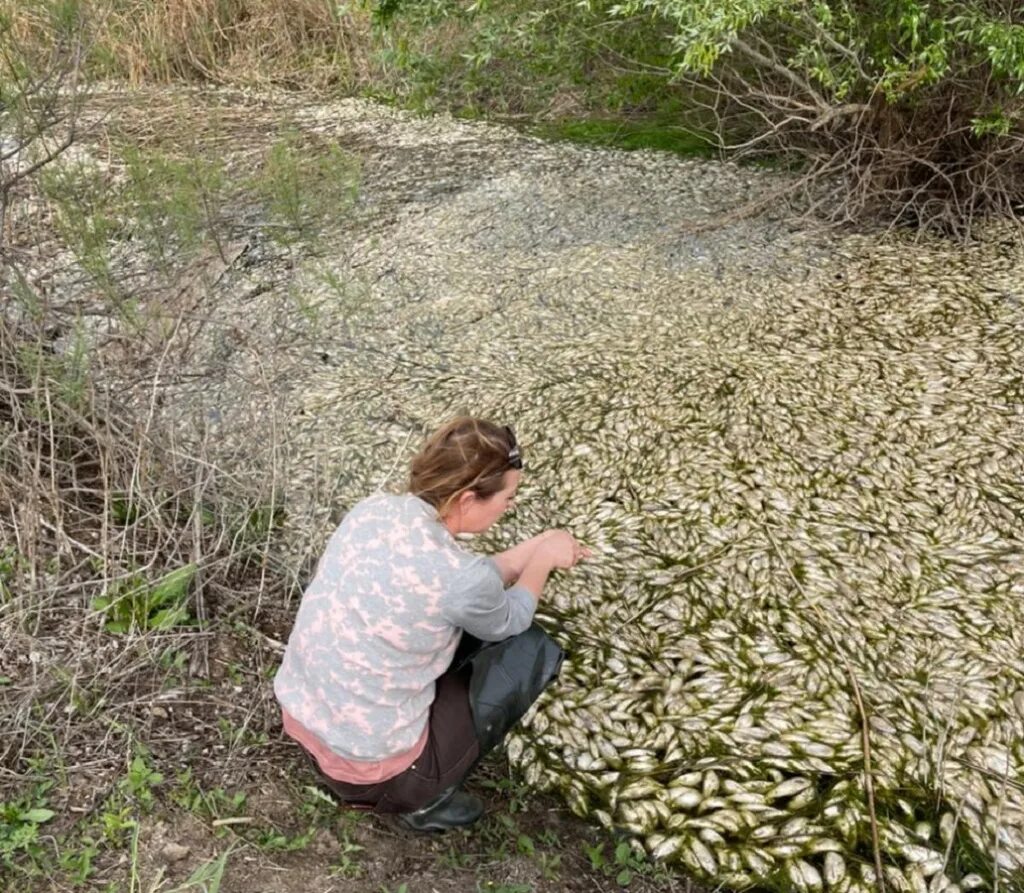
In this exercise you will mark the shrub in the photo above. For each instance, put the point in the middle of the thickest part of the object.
(912, 108)
(908, 110)
(40, 93)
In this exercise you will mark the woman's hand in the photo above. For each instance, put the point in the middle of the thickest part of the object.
(552, 549)
(562, 549)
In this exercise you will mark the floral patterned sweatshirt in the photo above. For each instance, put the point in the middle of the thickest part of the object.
(378, 624)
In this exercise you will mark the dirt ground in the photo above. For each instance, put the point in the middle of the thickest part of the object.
(258, 803)
(540, 849)
(206, 794)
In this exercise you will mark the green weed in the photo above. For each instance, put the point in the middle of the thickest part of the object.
(68, 371)
(317, 807)
(456, 857)
(174, 660)
(346, 296)
(550, 865)
(76, 857)
(209, 805)
(345, 864)
(177, 203)
(86, 218)
(318, 812)
(240, 736)
(624, 863)
(60, 381)
(71, 853)
(549, 838)
(206, 878)
(21, 846)
(502, 833)
(517, 796)
(273, 839)
(137, 784)
(135, 604)
(303, 186)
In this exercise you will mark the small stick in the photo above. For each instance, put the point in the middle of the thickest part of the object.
(869, 786)
(232, 820)
(682, 575)
(986, 771)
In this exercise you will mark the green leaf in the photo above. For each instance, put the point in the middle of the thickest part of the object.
(168, 618)
(173, 586)
(624, 877)
(37, 816)
(207, 876)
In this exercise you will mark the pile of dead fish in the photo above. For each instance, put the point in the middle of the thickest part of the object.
(798, 464)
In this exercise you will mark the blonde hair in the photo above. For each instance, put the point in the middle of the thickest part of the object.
(466, 454)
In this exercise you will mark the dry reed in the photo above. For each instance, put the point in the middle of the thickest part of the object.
(312, 43)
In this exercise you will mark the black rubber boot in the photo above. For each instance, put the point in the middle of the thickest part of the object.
(453, 809)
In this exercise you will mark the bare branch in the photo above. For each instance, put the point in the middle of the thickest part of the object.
(783, 70)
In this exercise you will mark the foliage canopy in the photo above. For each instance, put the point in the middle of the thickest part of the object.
(913, 109)
(915, 105)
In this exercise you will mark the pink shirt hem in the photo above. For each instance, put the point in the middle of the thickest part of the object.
(352, 771)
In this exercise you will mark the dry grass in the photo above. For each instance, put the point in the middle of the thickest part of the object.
(312, 43)
(127, 536)
(100, 498)
(136, 548)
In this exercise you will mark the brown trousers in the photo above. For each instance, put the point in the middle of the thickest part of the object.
(449, 754)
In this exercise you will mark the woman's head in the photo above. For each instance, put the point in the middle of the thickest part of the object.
(468, 468)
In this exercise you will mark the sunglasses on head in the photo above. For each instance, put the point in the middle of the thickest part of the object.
(515, 459)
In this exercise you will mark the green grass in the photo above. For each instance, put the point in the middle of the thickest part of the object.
(614, 133)
(41, 849)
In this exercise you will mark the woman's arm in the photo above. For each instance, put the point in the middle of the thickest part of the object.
(512, 562)
(485, 609)
(558, 549)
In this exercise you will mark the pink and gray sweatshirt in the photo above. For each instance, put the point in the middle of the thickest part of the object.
(377, 625)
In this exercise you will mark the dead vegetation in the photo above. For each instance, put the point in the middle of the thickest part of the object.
(303, 43)
(922, 167)
(140, 589)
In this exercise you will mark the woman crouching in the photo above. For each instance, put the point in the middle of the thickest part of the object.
(371, 685)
